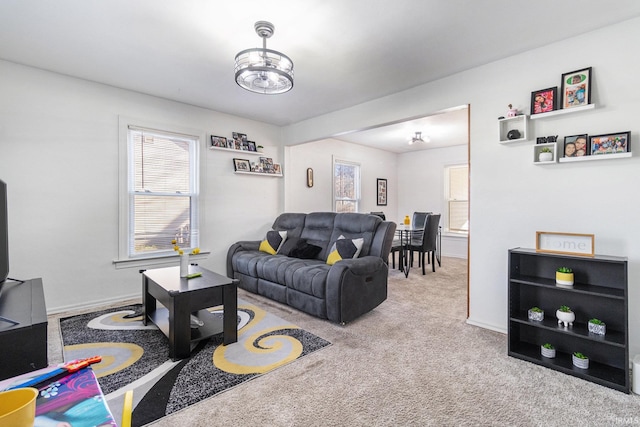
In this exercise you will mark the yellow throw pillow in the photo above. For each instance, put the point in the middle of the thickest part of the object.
(344, 249)
(273, 241)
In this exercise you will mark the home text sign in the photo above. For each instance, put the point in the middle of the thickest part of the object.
(565, 243)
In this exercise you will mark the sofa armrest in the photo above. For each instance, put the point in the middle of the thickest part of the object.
(355, 286)
(247, 245)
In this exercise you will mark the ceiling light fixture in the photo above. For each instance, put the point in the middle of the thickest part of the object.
(418, 138)
(264, 70)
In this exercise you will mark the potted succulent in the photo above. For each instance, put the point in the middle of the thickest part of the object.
(545, 154)
(547, 350)
(580, 360)
(564, 276)
(597, 326)
(535, 313)
(565, 316)
(259, 148)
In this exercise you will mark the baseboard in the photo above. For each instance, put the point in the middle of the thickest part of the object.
(487, 326)
(91, 304)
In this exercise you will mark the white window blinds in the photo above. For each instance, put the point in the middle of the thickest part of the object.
(346, 186)
(457, 198)
(163, 191)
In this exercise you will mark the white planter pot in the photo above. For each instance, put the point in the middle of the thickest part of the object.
(580, 363)
(565, 318)
(597, 329)
(534, 315)
(547, 352)
(545, 157)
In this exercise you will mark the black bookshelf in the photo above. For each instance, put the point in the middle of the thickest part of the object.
(599, 291)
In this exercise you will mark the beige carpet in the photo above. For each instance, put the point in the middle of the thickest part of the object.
(413, 361)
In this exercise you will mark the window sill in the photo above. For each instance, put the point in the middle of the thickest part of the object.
(455, 235)
(156, 261)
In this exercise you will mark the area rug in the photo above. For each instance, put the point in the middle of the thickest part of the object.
(136, 357)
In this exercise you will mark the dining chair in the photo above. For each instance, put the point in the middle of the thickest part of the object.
(380, 214)
(419, 219)
(429, 244)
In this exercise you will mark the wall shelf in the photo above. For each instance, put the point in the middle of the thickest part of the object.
(537, 151)
(599, 291)
(518, 123)
(563, 111)
(275, 175)
(231, 150)
(595, 157)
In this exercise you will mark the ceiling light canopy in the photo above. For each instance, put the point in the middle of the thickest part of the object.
(418, 139)
(263, 70)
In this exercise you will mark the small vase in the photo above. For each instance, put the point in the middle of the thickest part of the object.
(536, 315)
(547, 352)
(407, 221)
(580, 363)
(566, 318)
(565, 279)
(545, 157)
(184, 265)
(597, 329)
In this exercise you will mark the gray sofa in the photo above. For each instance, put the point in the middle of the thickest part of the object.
(340, 292)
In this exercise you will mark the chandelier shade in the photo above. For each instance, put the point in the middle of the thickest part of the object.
(263, 70)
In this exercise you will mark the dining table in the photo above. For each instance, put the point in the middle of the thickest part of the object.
(405, 232)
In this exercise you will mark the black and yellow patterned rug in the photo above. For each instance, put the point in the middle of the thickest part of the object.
(136, 357)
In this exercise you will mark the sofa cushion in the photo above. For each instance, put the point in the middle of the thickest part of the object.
(273, 241)
(290, 244)
(344, 249)
(305, 250)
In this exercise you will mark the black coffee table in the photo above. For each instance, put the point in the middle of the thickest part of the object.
(181, 297)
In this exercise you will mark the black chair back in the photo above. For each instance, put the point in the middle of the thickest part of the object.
(380, 214)
(431, 233)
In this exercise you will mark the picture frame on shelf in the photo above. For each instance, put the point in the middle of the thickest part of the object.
(576, 145)
(241, 165)
(218, 141)
(544, 101)
(381, 185)
(256, 167)
(251, 145)
(565, 243)
(239, 139)
(277, 169)
(610, 143)
(576, 88)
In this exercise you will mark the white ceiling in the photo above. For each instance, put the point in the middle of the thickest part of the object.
(345, 52)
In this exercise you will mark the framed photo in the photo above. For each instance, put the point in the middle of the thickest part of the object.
(239, 140)
(218, 141)
(277, 169)
(576, 146)
(610, 143)
(241, 165)
(565, 243)
(382, 192)
(545, 100)
(576, 88)
(251, 145)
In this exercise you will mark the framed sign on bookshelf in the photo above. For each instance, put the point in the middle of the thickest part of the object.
(565, 243)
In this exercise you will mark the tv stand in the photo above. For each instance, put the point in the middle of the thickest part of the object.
(23, 339)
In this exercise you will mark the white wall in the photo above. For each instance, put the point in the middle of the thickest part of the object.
(319, 155)
(511, 198)
(421, 182)
(59, 157)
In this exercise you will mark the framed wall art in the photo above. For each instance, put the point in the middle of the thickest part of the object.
(218, 141)
(576, 88)
(610, 143)
(241, 165)
(545, 100)
(382, 192)
(575, 146)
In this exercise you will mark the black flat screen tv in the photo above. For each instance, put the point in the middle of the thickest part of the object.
(4, 234)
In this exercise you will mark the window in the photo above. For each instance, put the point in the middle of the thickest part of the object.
(162, 192)
(346, 186)
(457, 198)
